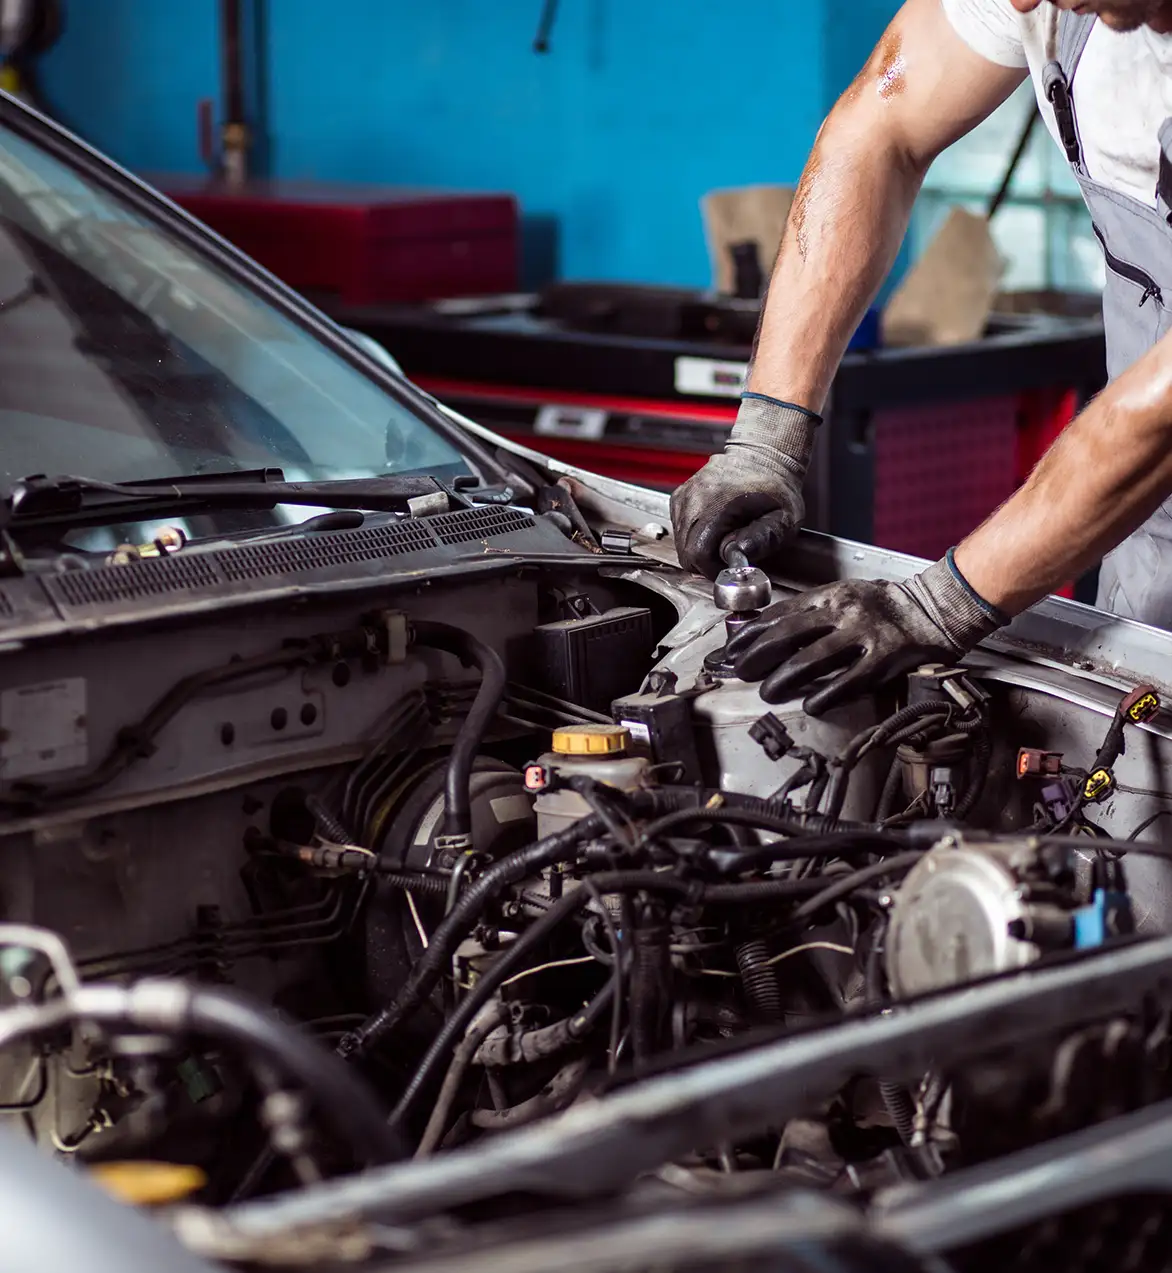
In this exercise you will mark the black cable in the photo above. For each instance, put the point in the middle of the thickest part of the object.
(550, 702)
(436, 959)
(549, 14)
(135, 741)
(746, 814)
(328, 822)
(763, 891)
(437, 1124)
(548, 1040)
(1147, 822)
(979, 770)
(404, 719)
(513, 960)
(876, 736)
(470, 739)
(353, 1108)
(847, 884)
(616, 981)
(1015, 159)
(889, 796)
(808, 848)
(415, 881)
(595, 795)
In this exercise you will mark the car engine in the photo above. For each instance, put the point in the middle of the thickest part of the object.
(468, 808)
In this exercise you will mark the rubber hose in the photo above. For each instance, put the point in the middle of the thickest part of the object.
(877, 736)
(470, 738)
(900, 1107)
(415, 882)
(512, 960)
(456, 925)
(650, 975)
(979, 766)
(847, 884)
(787, 820)
(549, 1040)
(436, 1125)
(756, 814)
(892, 786)
(762, 891)
(175, 1008)
(897, 1101)
(332, 826)
(759, 980)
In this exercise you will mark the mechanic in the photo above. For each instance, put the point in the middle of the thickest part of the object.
(1102, 70)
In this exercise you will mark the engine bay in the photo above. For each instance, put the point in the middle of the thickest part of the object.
(500, 841)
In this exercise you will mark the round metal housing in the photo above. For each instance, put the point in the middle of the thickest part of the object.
(950, 920)
(742, 588)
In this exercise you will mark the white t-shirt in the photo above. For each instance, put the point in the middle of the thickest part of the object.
(1122, 91)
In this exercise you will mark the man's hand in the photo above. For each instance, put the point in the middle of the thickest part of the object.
(859, 634)
(750, 494)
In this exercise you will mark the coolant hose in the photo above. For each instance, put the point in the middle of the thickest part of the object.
(179, 1008)
(470, 739)
(759, 980)
(437, 958)
(513, 960)
(897, 1100)
(684, 804)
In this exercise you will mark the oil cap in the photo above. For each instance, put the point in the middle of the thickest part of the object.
(591, 740)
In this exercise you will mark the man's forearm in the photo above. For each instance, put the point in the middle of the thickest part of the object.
(1103, 477)
(848, 219)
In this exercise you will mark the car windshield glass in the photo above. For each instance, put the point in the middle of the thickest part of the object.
(125, 354)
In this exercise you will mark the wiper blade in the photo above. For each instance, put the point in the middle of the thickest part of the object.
(70, 502)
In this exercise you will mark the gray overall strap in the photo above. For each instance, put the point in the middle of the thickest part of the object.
(1074, 30)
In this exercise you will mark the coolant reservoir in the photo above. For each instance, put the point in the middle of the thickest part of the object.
(593, 751)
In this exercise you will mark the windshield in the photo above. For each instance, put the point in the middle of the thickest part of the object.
(126, 355)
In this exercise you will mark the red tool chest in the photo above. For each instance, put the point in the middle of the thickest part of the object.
(363, 245)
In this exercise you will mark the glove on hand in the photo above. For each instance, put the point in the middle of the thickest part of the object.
(751, 491)
(858, 634)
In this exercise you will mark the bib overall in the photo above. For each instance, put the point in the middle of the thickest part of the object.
(1136, 578)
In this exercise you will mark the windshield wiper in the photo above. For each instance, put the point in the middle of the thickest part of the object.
(69, 502)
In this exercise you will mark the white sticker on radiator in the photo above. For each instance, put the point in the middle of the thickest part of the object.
(710, 378)
(43, 728)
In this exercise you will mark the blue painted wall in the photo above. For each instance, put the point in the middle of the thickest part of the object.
(641, 106)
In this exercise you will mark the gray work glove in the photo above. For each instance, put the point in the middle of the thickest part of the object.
(751, 492)
(856, 634)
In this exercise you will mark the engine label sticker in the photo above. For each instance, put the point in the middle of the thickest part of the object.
(43, 728)
(710, 378)
(511, 808)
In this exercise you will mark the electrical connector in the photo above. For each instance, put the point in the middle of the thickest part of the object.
(1032, 763)
(771, 735)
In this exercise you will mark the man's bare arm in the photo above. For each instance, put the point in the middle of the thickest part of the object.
(922, 89)
(1105, 475)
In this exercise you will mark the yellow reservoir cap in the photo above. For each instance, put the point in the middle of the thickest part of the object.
(591, 740)
(147, 1184)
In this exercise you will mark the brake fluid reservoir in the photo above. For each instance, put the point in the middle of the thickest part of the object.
(592, 751)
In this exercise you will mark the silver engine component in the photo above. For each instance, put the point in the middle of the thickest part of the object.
(740, 589)
(971, 909)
